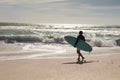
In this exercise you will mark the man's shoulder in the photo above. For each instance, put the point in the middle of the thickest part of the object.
(80, 36)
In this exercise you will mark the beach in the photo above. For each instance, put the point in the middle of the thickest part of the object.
(40, 52)
(100, 67)
(96, 68)
(43, 39)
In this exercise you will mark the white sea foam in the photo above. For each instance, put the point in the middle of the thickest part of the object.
(47, 40)
(54, 33)
(40, 51)
(103, 43)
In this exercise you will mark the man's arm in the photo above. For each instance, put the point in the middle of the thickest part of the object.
(76, 42)
(84, 38)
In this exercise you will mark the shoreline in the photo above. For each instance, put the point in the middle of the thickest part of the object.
(48, 51)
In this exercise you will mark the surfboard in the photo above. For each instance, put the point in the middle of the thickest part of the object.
(81, 45)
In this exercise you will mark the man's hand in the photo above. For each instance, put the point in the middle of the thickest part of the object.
(74, 45)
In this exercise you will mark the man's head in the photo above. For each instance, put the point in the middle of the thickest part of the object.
(81, 32)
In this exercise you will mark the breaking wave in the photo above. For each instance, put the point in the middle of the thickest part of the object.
(50, 40)
(100, 36)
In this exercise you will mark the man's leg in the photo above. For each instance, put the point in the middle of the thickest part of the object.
(82, 56)
(78, 52)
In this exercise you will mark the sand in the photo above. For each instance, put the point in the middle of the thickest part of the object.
(97, 67)
(105, 67)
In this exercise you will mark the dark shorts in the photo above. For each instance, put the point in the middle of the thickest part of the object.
(78, 50)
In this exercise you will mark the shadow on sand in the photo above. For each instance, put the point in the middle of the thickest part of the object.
(80, 62)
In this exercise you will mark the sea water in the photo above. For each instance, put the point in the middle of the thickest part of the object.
(47, 40)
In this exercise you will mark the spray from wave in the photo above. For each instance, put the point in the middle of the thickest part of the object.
(96, 35)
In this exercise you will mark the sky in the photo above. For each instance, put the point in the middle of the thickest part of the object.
(61, 11)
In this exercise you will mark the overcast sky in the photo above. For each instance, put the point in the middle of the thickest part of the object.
(61, 11)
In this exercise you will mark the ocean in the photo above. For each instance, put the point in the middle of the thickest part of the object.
(48, 39)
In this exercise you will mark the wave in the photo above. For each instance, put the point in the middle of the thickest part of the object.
(16, 24)
(26, 39)
(58, 40)
(54, 33)
(104, 43)
(62, 26)
(30, 39)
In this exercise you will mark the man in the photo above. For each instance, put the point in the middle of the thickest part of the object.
(80, 36)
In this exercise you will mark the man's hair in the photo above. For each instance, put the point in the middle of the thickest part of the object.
(80, 32)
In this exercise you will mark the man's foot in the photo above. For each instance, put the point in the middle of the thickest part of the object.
(83, 59)
(78, 61)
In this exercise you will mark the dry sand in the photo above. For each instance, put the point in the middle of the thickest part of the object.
(105, 67)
